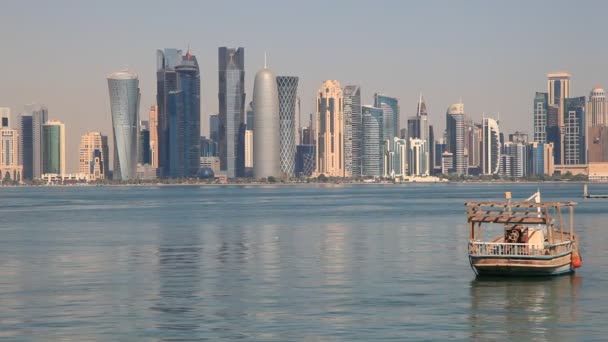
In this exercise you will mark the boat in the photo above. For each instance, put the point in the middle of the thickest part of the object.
(535, 239)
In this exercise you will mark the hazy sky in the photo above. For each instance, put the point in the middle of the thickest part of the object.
(492, 54)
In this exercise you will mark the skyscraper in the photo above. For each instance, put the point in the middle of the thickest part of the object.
(93, 156)
(491, 147)
(372, 141)
(352, 130)
(231, 98)
(30, 132)
(541, 104)
(53, 153)
(288, 98)
(418, 128)
(455, 137)
(266, 122)
(153, 120)
(390, 113)
(143, 144)
(558, 89)
(597, 108)
(330, 130)
(123, 87)
(575, 143)
(166, 85)
(214, 127)
(10, 168)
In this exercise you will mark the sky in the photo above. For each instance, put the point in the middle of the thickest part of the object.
(491, 54)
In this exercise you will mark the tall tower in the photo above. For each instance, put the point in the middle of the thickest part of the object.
(266, 137)
(94, 160)
(575, 132)
(541, 104)
(455, 137)
(288, 101)
(418, 128)
(231, 98)
(352, 130)
(30, 135)
(153, 121)
(597, 108)
(390, 110)
(10, 168)
(491, 147)
(558, 89)
(330, 130)
(124, 104)
(371, 147)
(53, 153)
(166, 83)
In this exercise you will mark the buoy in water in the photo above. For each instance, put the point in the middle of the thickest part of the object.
(576, 260)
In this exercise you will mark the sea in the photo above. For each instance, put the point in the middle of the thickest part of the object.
(282, 263)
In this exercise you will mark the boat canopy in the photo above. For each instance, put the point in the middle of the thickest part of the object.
(515, 212)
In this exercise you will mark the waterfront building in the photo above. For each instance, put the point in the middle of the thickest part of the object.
(491, 147)
(53, 153)
(417, 158)
(266, 121)
(431, 148)
(124, 103)
(558, 90)
(166, 87)
(305, 160)
(372, 141)
(231, 97)
(597, 108)
(541, 105)
(214, 126)
(209, 147)
(505, 164)
(93, 156)
(518, 158)
(143, 146)
(249, 149)
(146, 171)
(541, 160)
(473, 143)
(574, 143)
(30, 135)
(249, 116)
(455, 117)
(153, 120)
(390, 115)
(10, 167)
(330, 130)
(598, 144)
(352, 130)
(440, 147)
(388, 155)
(287, 87)
(212, 163)
(447, 162)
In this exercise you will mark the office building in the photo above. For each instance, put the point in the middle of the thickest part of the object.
(143, 145)
(30, 135)
(352, 130)
(330, 130)
(10, 168)
(597, 144)
(574, 133)
(266, 121)
(491, 150)
(372, 141)
(124, 104)
(287, 87)
(153, 120)
(455, 117)
(214, 126)
(53, 152)
(212, 163)
(231, 97)
(249, 150)
(517, 159)
(541, 105)
(93, 156)
(558, 90)
(390, 115)
(597, 108)
(447, 162)
(417, 157)
(166, 84)
(305, 160)
(519, 137)
(541, 160)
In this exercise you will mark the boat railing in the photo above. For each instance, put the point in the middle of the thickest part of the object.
(479, 248)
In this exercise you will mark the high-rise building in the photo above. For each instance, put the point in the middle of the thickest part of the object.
(418, 128)
(431, 149)
(93, 156)
(416, 158)
(352, 130)
(266, 121)
(558, 90)
(53, 153)
(124, 103)
(214, 126)
(153, 120)
(519, 137)
(455, 137)
(541, 104)
(540, 158)
(249, 116)
(371, 161)
(231, 98)
(305, 160)
(472, 143)
(288, 99)
(209, 148)
(515, 158)
(249, 150)
(166, 84)
(575, 142)
(491, 147)
(30, 135)
(330, 130)
(598, 144)
(143, 146)
(10, 168)
(390, 112)
(597, 108)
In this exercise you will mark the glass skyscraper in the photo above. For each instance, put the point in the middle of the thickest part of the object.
(30, 126)
(372, 141)
(124, 103)
(491, 147)
(455, 137)
(541, 104)
(26, 151)
(288, 95)
(390, 113)
(352, 130)
(53, 153)
(575, 142)
(166, 83)
(231, 99)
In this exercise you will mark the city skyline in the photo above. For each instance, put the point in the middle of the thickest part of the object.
(449, 61)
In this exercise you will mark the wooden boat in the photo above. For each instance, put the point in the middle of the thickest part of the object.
(535, 241)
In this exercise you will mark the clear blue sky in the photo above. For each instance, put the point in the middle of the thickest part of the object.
(493, 54)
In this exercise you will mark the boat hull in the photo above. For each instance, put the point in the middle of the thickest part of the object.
(529, 266)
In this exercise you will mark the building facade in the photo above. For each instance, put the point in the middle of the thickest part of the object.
(31, 144)
(124, 104)
(455, 118)
(231, 97)
(352, 130)
(541, 104)
(491, 147)
(597, 144)
(372, 141)
(94, 156)
(597, 108)
(153, 120)
(330, 130)
(575, 142)
(266, 123)
(390, 118)
(10, 168)
(287, 87)
(166, 84)
(53, 153)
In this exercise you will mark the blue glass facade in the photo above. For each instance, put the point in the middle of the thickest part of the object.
(390, 115)
(372, 141)
(575, 142)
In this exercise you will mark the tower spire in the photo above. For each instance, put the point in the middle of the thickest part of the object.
(265, 65)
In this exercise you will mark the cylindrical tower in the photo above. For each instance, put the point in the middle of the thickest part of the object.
(266, 141)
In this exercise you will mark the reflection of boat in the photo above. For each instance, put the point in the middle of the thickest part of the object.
(535, 239)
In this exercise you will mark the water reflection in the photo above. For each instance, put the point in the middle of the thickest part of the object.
(524, 308)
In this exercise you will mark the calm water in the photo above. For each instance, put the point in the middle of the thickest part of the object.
(285, 263)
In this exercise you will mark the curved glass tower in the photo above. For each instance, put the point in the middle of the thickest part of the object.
(124, 104)
(491, 147)
(288, 94)
(266, 139)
